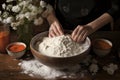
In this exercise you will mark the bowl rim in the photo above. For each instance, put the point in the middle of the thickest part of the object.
(103, 39)
(22, 43)
(36, 51)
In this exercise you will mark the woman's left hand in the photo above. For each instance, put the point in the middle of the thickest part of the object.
(81, 32)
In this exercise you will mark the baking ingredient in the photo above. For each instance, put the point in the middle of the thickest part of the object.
(101, 44)
(4, 40)
(16, 47)
(61, 46)
(93, 68)
(111, 68)
(36, 69)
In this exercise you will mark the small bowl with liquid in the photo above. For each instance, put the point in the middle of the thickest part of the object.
(16, 49)
(101, 47)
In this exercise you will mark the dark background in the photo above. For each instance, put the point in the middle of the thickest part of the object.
(115, 28)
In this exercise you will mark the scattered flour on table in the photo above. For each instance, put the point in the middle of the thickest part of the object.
(111, 68)
(36, 69)
(61, 46)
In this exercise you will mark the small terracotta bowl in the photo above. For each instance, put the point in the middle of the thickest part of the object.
(16, 49)
(101, 47)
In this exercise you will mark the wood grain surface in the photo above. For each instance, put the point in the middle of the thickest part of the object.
(9, 69)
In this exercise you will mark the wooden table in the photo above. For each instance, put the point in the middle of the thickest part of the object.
(9, 69)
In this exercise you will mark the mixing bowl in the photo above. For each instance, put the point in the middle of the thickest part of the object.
(56, 62)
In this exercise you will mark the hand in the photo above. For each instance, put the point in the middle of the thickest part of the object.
(81, 32)
(55, 29)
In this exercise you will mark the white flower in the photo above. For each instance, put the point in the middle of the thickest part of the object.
(16, 8)
(21, 3)
(24, 3)
(30, 6)
(21, 11)
(38, 21)
(14, 28)
(40, 10)
(0, 12)
(5, 14)
(9, 7)
(0, 19)
(111, 68)
(9, 1)
(4, 21)
(9, 19)
(27, 15)
(33, 9)
(43, 4)
(4, 6)
(20, 0)
(20, 16)
(93, 68)
(30, 16)
(15, 24)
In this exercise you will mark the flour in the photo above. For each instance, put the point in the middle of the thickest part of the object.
(61, 46)
(111, 68)
(36, 69)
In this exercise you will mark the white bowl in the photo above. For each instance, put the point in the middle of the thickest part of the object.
(101, 51)
(15, 54)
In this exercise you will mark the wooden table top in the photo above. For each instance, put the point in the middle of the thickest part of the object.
(9, 69)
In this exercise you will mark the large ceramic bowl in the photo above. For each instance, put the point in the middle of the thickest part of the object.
(56, 62)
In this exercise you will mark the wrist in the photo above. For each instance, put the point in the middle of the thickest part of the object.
(92, 25)
(89, 28)
(51, 18)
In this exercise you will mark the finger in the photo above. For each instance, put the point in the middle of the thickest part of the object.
(50, 36)
(74, 33)
(80, 30)
(55, 30)
(80, 37)
(59, 29)
(52, 33)
(84, 36)
(50, 29)
(49, 32)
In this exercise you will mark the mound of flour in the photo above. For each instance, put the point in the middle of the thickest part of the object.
(61, 46)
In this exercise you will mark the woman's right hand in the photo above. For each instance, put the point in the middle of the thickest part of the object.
(55, 29)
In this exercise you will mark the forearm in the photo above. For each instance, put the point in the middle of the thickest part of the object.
(101, 21)
(51, 17)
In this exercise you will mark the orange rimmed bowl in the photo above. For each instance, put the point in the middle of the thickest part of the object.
(102, 47)
(16, 49)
